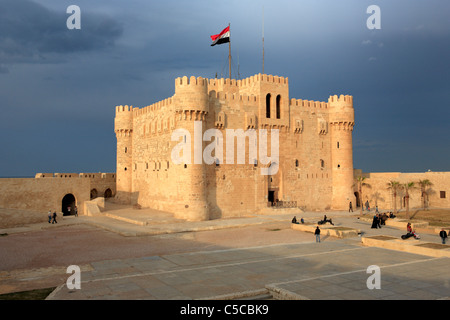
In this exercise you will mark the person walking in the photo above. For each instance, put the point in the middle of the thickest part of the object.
(76, 211)
(49, 216)
(54, 218)
(350, 207)
(443, 235)
(317, 233)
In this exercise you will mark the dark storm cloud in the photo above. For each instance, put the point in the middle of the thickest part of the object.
(31, 33)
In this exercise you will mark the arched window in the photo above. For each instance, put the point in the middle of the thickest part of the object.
(268, 97)
(278, 107)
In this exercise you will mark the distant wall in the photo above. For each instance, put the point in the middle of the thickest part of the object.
(46, 191)
(378, 192)
(42, 194)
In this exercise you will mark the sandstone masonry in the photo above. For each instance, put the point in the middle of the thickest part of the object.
(315, 150)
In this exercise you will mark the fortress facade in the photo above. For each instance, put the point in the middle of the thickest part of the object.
(314, 163)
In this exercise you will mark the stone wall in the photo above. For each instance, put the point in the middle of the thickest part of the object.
(197, 190)
(378, 193)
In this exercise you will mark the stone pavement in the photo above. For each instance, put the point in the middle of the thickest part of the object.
(309, 270)
(333, 269)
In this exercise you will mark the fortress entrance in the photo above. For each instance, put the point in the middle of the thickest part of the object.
(108, 193)
(272, 196)
(68, 202)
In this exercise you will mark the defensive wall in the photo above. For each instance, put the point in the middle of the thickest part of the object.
(378, 193)
(55, 191)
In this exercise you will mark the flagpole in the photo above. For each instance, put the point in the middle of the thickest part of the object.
(263, 41)
(229, 52)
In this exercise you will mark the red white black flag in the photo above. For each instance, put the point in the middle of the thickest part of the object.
(222, 37)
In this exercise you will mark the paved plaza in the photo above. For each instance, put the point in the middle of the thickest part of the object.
(258, 257)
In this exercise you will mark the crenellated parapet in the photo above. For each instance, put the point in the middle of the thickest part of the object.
(342, 99)
(191, 94)
(155, 108)
(342, 114)
(123, 122)
(258, 78)
(308, 104)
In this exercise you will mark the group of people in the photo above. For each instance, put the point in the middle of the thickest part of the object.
(294, 220)
(317, 231)
(379, 219)
(52, 216)
(367, 205)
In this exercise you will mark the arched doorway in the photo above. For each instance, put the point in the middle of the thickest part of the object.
(108, 193)
(68, 202)
(94, 194)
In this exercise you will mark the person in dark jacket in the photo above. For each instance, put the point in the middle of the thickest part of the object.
(317, 233)
(54, 218)
(443, 235)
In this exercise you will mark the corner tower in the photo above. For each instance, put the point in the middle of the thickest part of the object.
(123, 127)
(342, 120)
(191, 101)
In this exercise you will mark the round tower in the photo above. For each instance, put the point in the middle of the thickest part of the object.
(123, 127)
(191, 101)
(342, 120)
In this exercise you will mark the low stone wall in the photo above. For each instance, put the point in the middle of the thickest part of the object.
(399, 223)
(327, 230)
(410, 245)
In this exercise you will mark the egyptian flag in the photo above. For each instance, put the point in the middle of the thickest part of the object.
(222, 37)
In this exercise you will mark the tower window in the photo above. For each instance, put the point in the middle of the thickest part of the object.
(442, 194)
(338, 144)
(296, 163)
(268, 97)
(278, 105)
(126, 149)
(322, 164)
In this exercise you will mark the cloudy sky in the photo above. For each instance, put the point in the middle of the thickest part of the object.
(59, 87)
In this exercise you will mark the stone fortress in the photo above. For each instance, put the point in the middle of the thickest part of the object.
(315, 169)
(314, 166)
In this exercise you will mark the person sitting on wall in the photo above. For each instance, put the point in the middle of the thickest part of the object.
(294, 220)
(391, 215)
(325, 220)
(302, 221)
(409, 228)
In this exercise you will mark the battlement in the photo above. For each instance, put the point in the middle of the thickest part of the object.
(96, 175)
(309, 104)
(124, 109)
(192, 81)
(341, 98)
(263, 78)
(155, 107)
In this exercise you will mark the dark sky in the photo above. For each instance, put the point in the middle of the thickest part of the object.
(59, 87)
